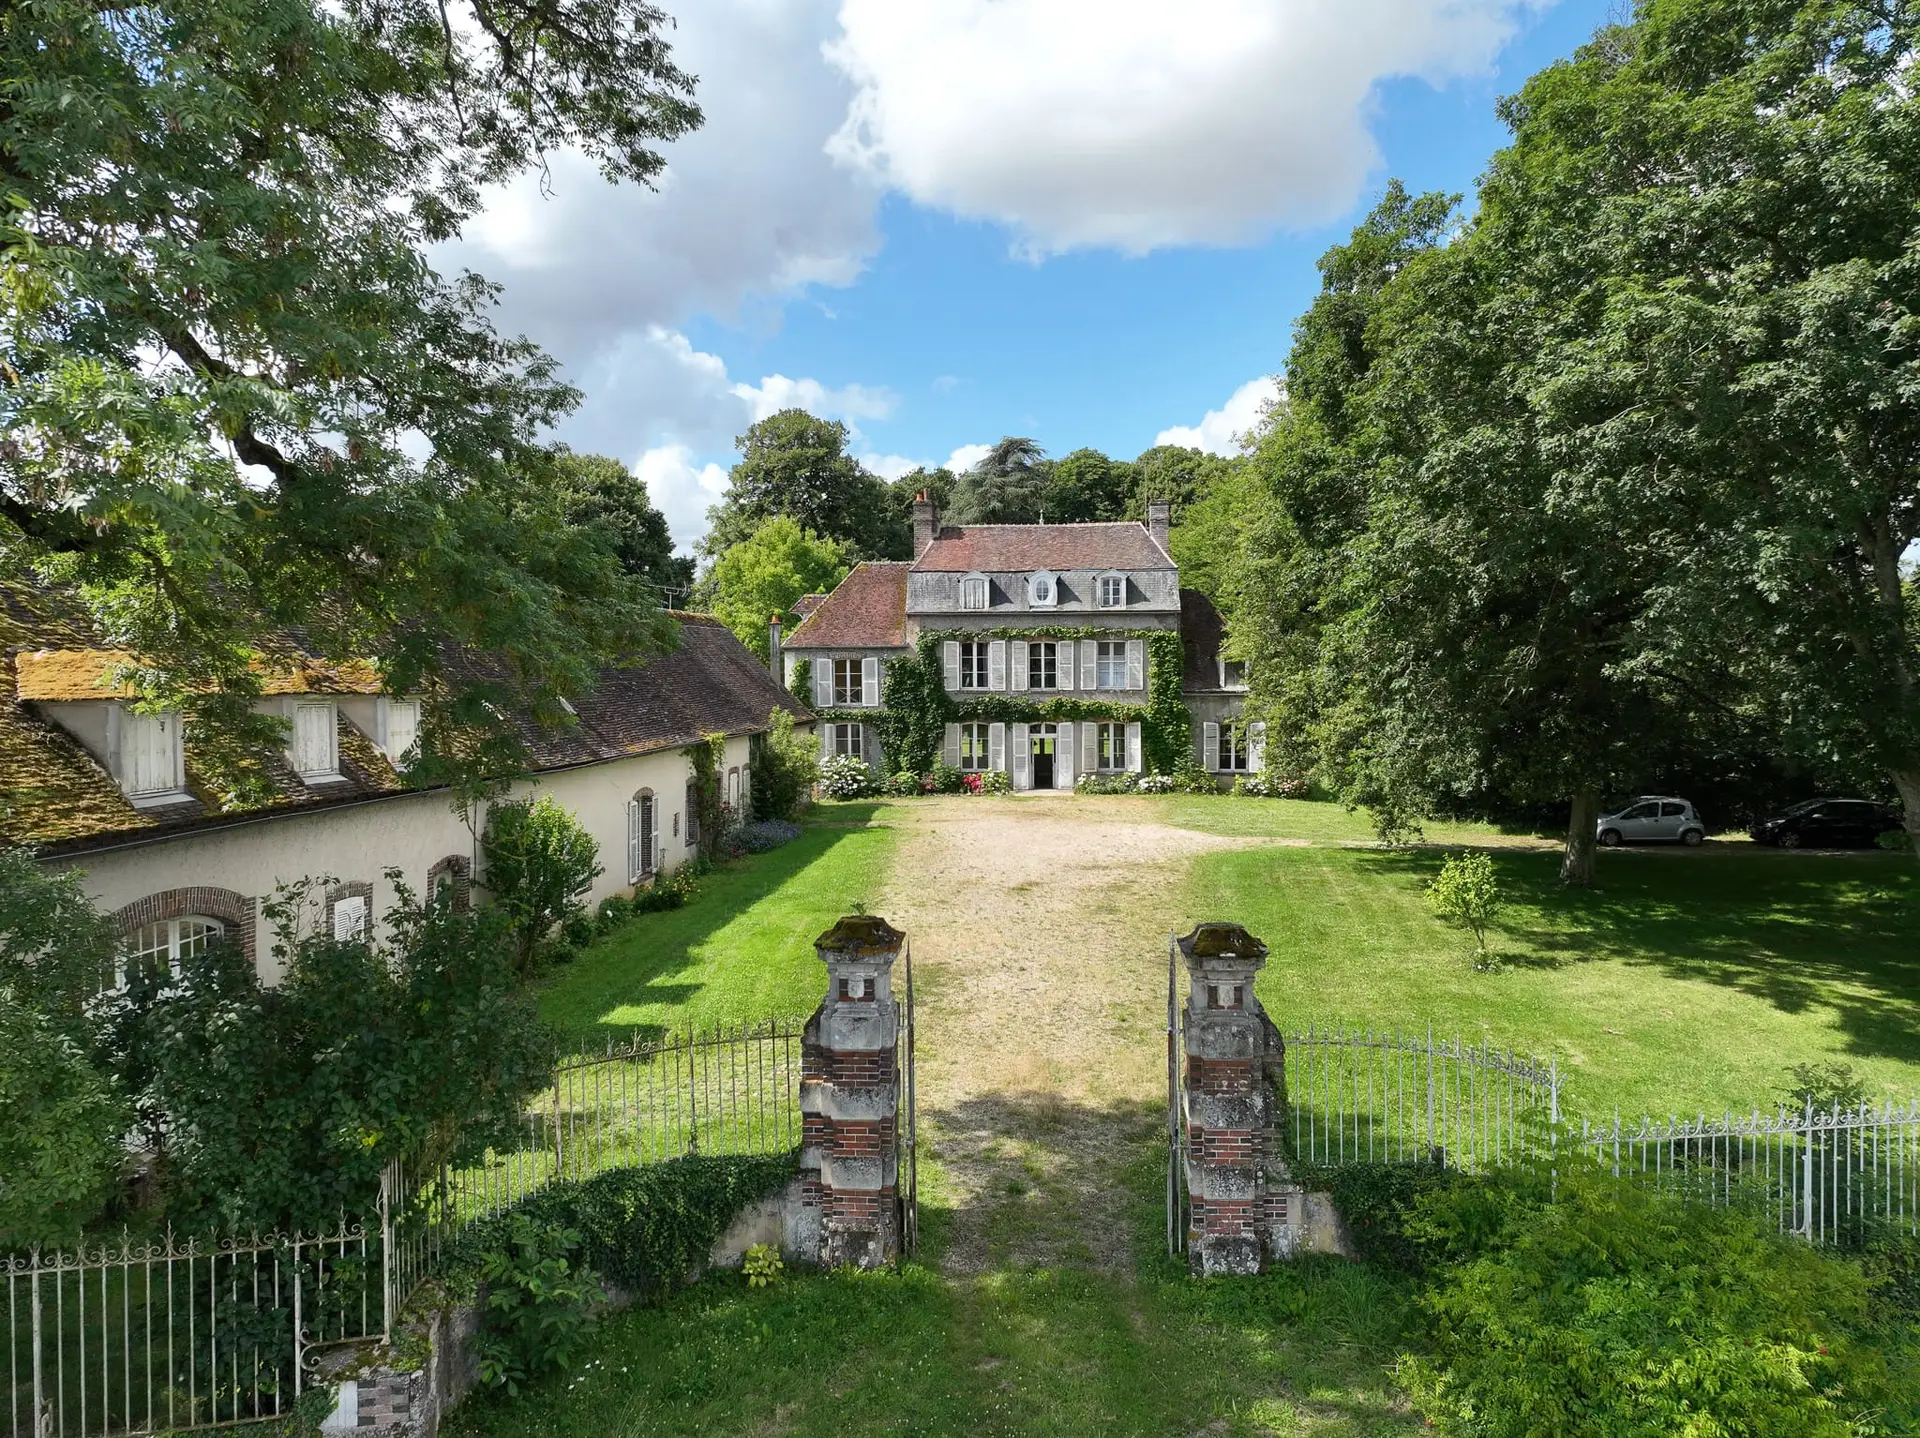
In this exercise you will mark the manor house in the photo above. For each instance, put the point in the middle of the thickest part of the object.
(1061, 648)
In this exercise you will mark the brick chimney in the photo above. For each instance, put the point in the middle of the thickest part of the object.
(773, 649)
(1159, 521)
(926, 523)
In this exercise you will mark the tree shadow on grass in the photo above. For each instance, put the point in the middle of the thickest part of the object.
(644, 962)
(1797, 932)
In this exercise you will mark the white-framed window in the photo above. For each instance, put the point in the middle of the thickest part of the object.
(403, 728)
(1234, 750)
(1043, 664)
(973, 593)
(976, 750)
(733, 790)
(1110, 746)
(846, 682)
(1233, 674)
(973, 663)
(151, 754)
(642, 826)
(1043, 590)
(849, 740)
(316, 752)
(167, 942)
(1113, 591)
(1110, 664)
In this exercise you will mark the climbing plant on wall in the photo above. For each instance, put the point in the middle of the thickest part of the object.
(1166, 734)
(709, 804)
(801, 686)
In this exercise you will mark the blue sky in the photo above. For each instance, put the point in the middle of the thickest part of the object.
(947, 222)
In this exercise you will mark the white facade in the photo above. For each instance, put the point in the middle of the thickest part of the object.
(415, 833)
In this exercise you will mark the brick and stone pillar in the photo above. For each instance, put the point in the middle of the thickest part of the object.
(849, 1099)
(1244, 1211)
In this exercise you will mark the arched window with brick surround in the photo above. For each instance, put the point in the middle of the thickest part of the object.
(350, 910)
(450, 882)
(176, 924)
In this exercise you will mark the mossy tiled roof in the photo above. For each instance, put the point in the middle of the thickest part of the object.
(51, 789)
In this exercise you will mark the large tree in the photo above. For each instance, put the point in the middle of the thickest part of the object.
(1007, 485)
(1087, 486)
(603, 494)
(767, 572)
(237, 398)
(1725, 191)
(796, 465)
(1176, 474)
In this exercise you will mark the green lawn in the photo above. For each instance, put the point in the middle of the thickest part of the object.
(1685, 981)
(1053, 1351)
(740, 951)
(1311, 819)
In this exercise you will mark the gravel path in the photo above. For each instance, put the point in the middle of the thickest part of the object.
(1040, 974)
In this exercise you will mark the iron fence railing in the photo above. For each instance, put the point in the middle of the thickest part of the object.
(731, 1091)
(1829, 1177)
(1364, 1096)
(139, 1337)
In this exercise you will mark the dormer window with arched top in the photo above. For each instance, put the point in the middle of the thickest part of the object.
(1043, 590)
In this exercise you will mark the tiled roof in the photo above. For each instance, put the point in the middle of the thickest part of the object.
(1202, 632)
(88, 674)
(58, 798)
(867, 611)
(1007, 548)
(807, 603)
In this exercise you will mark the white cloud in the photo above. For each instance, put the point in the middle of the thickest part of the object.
(967, 456)
(1221, 431)
(681, 489)
(1128, 124)
(776, 392)
(891, 466)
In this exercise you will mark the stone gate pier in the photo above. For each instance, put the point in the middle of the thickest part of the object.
(1244, 1210)
(849, 1101)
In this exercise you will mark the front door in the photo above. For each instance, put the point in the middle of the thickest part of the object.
(1044, 738)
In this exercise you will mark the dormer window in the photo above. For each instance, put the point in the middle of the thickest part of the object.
(973, 592)
(315, 752)
(400, 728)
(1043, 590)
(1113, 591)
(152, 757)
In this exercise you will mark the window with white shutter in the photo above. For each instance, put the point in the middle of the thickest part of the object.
(314, 747)
(976, 747)
(1136, 664)
(951, 673)
(997, 747)
(997, 665)
(403, 728)
(635, 866)
(950, 745)
(847, 688)
(1256, 747)
(1133, 748)
(870, 682)
(150, 753)
(823, 683)
(1113, 591)
(350, 917)
(1017, 663)
(1210, 745)
(1063, 756)
(1089, 664)
(1043, 664)
(975, 670)
(1022, 760)
(1110, 664)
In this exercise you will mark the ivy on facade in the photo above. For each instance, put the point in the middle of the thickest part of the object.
(709, 803)
(801, 686)
(916, 707)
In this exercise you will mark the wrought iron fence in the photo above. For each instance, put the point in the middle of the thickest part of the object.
(1364, 1096)
(142, 1337)
(731, 1091)
(1829, 1177)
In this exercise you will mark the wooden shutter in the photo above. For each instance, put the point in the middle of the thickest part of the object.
(1257, 747)
(646, 833)
(997, 747)
(1089, 663)
(826, 741)
(1063, 664)
(950, 663)
(870, 682)
(1017, 663)
(823, 683)
(350, 917)
(1133, 748)
(1136, 664)
(1089, 748)
(997, 664)
(1022, 759)
(1210, 745)
(953, 745)
(1063, 757)
(633, 840)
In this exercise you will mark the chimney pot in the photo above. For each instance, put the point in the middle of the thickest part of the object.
(926, 523)
(1160, 522)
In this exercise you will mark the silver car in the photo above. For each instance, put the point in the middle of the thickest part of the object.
(1651, 819)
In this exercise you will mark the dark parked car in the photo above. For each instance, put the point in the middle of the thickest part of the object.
(1826, 824)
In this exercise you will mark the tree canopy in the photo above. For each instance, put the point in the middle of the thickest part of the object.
(796, 465)
(237, 397)
(766, 573)
(602, 494)
(1007, 485)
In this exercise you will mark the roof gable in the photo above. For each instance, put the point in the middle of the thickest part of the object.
(867, 610)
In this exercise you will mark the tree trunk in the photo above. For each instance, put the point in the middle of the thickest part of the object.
(1907, 781)
(1576, 866)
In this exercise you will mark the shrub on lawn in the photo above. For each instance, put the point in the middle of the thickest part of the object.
(1378, 1201)
(785, 766)
(1615, 1308)
(947, 779)
(904, 785)
(539, 864)
(1106, 783)
(844, 777)
(539, 1302)
(1467, 891)
(646, 1229)
(992, 781)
